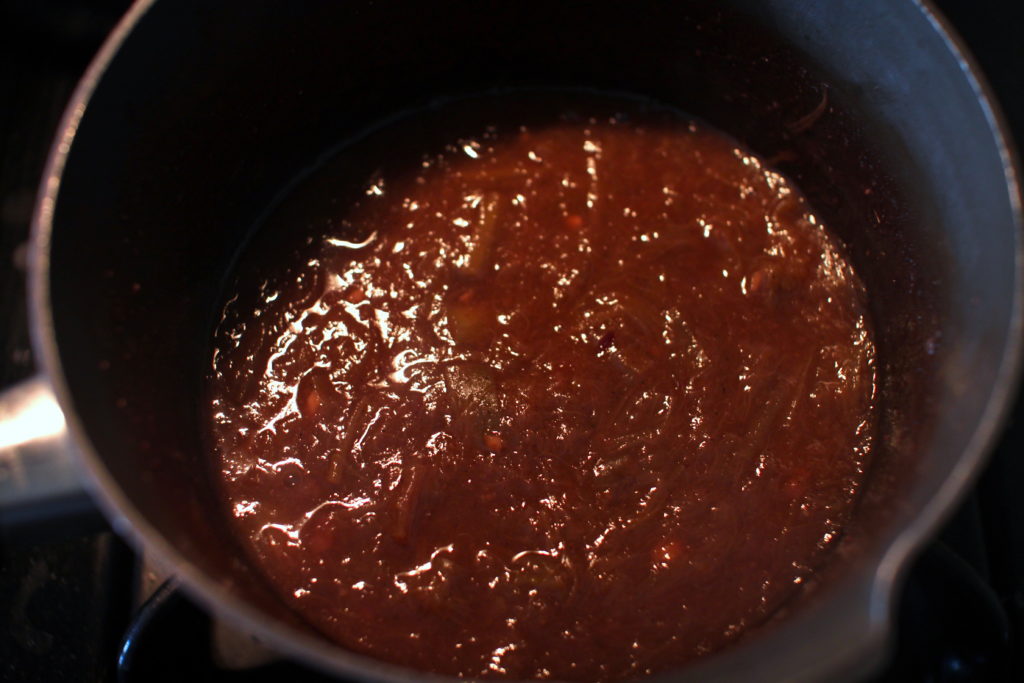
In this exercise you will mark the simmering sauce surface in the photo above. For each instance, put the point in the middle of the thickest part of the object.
(579, 396)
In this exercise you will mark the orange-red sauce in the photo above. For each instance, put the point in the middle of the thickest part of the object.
(581, 398)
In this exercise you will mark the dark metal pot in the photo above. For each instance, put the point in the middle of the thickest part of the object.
(196, 114)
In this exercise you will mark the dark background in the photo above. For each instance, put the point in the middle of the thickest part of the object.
(66, 604)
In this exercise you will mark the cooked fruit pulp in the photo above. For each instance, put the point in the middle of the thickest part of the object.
(580, 396)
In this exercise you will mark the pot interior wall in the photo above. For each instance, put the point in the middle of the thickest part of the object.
(211, 108)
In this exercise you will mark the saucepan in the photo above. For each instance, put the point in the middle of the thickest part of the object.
(195, 115)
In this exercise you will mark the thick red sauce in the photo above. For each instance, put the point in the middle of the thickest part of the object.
(582, 398)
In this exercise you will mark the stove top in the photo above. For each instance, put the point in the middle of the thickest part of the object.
(85, 608)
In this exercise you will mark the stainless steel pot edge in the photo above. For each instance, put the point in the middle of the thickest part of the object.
(1000, 401)
(126, 520)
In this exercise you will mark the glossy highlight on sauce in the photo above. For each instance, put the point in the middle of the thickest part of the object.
(553, 388)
